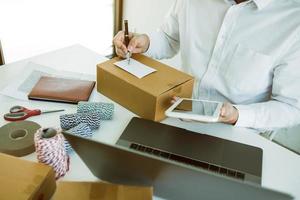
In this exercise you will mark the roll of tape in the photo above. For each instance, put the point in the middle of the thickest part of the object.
(69, 121)
(82, 130)
(16, 138)
(106, 110)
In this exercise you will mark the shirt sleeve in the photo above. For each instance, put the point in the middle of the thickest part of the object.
(164, 43)
(283, 109)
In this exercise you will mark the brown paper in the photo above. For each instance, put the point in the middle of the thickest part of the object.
(100, 191)
(21, 179)
(148, 97)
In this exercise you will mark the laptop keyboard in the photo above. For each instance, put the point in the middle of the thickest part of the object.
(188, 161)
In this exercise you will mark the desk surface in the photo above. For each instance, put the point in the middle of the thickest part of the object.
(281, 168)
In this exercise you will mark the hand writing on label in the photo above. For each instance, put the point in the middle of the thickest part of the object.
(139, 43)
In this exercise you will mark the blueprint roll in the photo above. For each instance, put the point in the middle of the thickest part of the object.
(82, 130)
(69, 121)
(106, 110)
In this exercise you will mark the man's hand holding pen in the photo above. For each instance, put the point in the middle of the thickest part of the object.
(137, 43)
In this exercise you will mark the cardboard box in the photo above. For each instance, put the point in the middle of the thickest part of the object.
(100, 191)
(25, 180)
(147, 97)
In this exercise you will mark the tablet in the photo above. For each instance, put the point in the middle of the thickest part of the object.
(194, 109)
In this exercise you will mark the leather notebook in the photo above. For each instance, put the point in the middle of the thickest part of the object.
(61, 90)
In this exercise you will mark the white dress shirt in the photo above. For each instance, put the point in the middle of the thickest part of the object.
(247, 54)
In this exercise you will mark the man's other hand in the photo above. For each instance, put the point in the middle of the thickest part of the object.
(137, 44)
(229, 114)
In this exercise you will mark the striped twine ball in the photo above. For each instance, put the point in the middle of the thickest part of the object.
(106, 110)
(51, 151)
(82, 130)
(69, 121)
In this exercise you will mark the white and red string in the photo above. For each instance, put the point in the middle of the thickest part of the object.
(51, 151)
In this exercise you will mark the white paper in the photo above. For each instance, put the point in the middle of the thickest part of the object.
(135, 68)
(21, 87)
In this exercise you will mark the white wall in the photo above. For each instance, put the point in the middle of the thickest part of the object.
(31, 27)
(146, 16)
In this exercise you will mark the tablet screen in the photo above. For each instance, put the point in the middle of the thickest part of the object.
(196, 107)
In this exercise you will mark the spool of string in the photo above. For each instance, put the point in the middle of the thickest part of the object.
(50, 150)
(82, 130)
(106, 110)
(69, 121)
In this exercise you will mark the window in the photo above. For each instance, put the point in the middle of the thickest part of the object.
(31, 27)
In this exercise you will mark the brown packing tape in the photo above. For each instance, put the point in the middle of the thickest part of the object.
(109, 191)
(100, 191)
(16, 138)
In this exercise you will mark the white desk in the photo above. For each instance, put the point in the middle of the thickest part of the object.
(281, 168)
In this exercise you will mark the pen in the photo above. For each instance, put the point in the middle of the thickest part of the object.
(126, 38)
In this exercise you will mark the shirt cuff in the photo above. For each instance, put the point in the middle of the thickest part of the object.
(246, 116)
(155, 40)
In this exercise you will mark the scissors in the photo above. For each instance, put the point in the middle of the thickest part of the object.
(18, 113)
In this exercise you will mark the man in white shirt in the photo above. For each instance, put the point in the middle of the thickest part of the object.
(246, 53)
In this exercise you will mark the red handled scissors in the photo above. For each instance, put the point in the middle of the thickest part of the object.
(18, 113)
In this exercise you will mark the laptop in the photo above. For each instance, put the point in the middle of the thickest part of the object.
(231, 159)
(170, 178)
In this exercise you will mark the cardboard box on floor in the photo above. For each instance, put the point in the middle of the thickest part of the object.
(25, 180)
(100, 191)
(147, 97)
